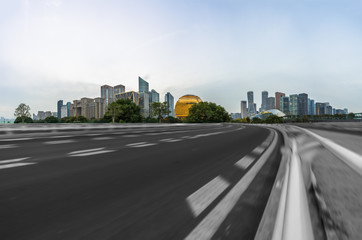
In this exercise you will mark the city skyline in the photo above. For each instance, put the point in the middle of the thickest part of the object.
(54, 49)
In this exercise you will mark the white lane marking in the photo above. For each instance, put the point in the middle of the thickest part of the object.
(8, 146)
(13, 160)
(209, 225)
(87, 150)
(202, 198)
(245, 162)
(61, 136)
(135, 144)
(171, 140)
(93, 134)
(258, 150)
(14, 165)
(205, 135)
(91, 153)
(59, 142)
(144, 145)
(102, 138)
(15, 139)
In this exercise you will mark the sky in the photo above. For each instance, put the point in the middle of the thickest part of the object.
(219, 50)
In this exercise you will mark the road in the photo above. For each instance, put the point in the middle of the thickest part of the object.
(186, 182)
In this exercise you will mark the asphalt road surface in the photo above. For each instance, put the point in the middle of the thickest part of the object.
(184, 182)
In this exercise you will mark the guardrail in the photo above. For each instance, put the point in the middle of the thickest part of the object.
(293, 219)
(351, 158)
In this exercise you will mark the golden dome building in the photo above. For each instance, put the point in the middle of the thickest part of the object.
(183, 105)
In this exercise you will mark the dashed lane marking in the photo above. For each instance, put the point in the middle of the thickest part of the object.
(258, 150)
(245, 162)
(132, 135)
(210, 224)
(171, 140)
(14, 160)
(59, 142)
(15, 139)
(89, 152)
(140, 144)
(202, 198)
(14, 165)
(8, 146)
(102, 138)
(93, 134)
(61, 136)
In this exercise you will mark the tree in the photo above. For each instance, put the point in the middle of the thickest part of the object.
(26, 120)
(159, 110)
(114, 110)
(22, 111)
(123, 110)
(257, 120)
(207, 112)
(51, 119)
(273, 119)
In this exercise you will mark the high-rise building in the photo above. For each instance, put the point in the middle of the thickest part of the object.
(311, 107)
(345, 111)
(142, 85)
(329, 110)
(68, 109)
(119, 89)
(270, 103)
(334, 111)
(284, 105)
(59, 107)
(244, 109)
(132, 95)
(41, 115)
(293, 104)
(154, 96)
(107, 93)
(251, 105)
(88, 107)
(278, 95)
(321, 108)
(264, 96)
(302, 104)
(63, 111)
(339, 111)
(170, 104)
(144, 103)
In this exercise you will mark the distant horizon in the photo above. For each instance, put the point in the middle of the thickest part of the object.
(55, 49)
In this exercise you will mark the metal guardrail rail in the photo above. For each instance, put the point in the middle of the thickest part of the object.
(293, 221)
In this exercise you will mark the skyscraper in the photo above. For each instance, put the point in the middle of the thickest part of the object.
(119, 89)
(302, 104)
(170, 104)
(107, 93)
(278, 95)
(284, 105)
(264, 96)
(68, 109)
(251, 105)
(59, 109)
(244, 112)
(321, 108)
(270, 103)
(293, 104)
(311, 107)
(142, 85)
(154, 96)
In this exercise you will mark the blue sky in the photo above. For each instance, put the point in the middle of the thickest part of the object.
(218, 50)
